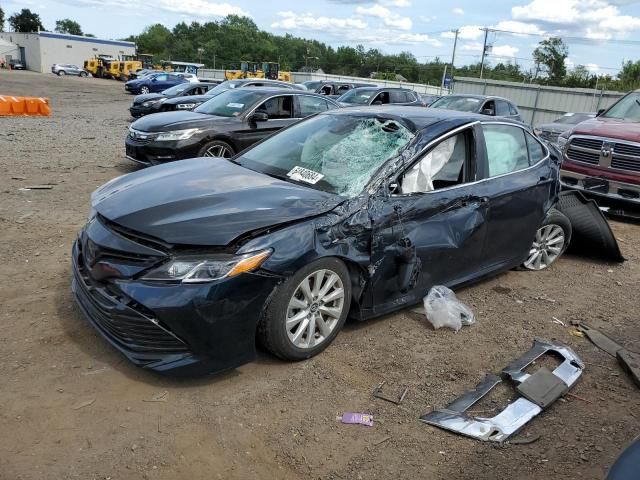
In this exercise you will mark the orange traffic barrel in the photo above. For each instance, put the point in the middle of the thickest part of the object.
(10, 105)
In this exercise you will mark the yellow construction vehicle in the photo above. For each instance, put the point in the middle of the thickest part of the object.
(270, 70)
(127, 67)
(100, 66)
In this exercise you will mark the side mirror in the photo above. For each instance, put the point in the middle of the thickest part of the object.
(259, 117)
(600, 112)
(394, 187)
(488, 111)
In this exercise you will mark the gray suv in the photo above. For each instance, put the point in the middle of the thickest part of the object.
(61, 69)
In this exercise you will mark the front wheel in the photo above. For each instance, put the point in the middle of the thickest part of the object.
(551, 240)
(144, 90)
(307, 311)
(217, 148)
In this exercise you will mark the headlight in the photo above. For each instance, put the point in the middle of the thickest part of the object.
(177, 134)
(196, 269)
(562, 142)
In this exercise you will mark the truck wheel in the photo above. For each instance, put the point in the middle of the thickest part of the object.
(552, 239)
(306, 312)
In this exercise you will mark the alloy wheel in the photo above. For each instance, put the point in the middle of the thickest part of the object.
(546, 248)
(315, 309)
(218, 151)
(144, 90)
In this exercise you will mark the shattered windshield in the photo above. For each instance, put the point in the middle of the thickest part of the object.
(461, 104)
(628, 108)
(334, 153)
(357, 96)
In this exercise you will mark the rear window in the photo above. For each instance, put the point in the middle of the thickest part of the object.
(357, 96)
(461, 104)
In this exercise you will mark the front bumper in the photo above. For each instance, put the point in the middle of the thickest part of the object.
(137, 110)
(175, 329)
(621, 198)
(154, 152)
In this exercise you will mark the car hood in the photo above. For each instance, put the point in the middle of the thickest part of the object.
(610, 128)
(190, 99)
(205, 201)
(169, 121)
(555, 127)
(146, 97)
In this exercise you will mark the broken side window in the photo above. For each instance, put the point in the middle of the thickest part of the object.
(442, 167)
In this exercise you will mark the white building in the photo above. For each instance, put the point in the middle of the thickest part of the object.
(8, 51)
(38, 51)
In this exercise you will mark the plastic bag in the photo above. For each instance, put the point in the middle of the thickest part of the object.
(443, 309)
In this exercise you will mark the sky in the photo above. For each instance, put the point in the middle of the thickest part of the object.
(600, 33)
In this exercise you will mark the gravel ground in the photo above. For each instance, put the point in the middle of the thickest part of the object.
(72, 407)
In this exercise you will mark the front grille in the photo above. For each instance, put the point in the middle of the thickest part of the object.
(121, 320)
(620, 163)
(591, 143)
(592, 158)
(139, 141)
(626, 149)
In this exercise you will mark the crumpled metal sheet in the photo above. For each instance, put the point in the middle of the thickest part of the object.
(592, 235)
(516, 414)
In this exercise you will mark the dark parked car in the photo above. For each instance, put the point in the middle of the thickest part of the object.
(602, 156)
(153, 102)
(334, 89)
(354, 211)
(222, 126)
(16, 65)
(62, 69)
(491, 106)
(154, 82)
(551, 131)
(428, 98)
(191, 102)
(380, 96)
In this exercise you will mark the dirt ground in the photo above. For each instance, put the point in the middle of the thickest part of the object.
(71, 407)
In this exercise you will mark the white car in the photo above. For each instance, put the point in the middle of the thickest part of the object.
(188, 76)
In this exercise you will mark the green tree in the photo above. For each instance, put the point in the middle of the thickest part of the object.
(629, 76)
(1, 19)
(67, 25)
(552, 53)
(156, 39)
(25, 21)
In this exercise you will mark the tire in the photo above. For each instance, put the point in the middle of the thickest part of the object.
(61, 73)
(83, 74)
(217, 148)
(551, 241)
(144, 90)
(288, 301)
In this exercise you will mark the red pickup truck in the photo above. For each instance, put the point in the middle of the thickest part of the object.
(601, 156)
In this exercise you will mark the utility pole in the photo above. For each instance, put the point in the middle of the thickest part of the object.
(214, 61)
(484, 50)
(453, 57)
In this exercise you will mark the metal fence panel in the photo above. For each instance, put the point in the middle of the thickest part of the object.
(537, 103)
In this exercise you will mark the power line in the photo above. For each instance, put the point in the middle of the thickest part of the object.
(569, 39)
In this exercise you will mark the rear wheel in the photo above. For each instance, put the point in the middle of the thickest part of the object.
(83, 74)
(144, 90)
(551, 240)
(307, 311)
(217, 148)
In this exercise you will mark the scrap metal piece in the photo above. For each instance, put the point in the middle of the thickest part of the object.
(631, 363)
(377, 392)
(592, 235)
(517, 413)
(600, 340)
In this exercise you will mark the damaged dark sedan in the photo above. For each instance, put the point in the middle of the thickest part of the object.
(352, 212)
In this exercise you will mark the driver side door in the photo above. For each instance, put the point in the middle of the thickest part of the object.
(280, 111)
(432, 230)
